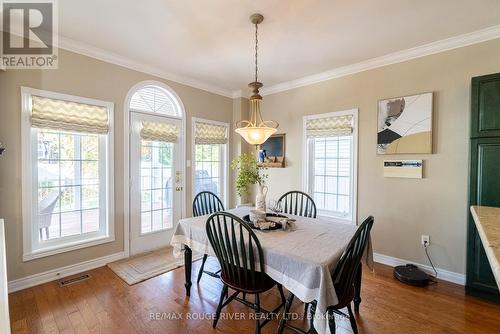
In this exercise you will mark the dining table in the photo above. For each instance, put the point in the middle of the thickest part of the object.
(301, 259)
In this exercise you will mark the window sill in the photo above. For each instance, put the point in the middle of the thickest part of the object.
(341, 219)
(67, 247)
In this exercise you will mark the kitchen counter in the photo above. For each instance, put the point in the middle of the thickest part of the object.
(487, 220)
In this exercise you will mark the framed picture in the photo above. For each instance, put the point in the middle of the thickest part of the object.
(405, 125)
(272, 151)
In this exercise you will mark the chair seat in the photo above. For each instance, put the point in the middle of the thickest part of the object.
(262, 282)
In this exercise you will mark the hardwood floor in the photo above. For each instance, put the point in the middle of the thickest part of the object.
(106, 304)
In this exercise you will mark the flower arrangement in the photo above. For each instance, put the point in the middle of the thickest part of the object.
(248, 173)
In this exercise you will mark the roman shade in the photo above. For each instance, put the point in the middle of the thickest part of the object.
(329, 126)
(166, 132)
(208, 133)
(67, 115)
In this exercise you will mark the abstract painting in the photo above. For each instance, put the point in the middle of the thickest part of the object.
(405, 125)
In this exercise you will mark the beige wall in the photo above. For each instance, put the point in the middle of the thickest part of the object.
(88, 77)
(403, 208)
(238, 146)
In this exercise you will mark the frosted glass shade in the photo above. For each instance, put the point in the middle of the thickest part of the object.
(255, 135)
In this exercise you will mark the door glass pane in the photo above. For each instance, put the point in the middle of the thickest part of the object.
(156, 186)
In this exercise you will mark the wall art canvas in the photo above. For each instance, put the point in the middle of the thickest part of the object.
(405, 125)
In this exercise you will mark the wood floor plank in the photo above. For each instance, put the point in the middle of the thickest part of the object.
(106, 304)
(45, 310)
(58, 309)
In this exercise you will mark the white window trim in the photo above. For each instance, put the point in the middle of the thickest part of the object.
(225, 156)
(30, 231)
(354, 168)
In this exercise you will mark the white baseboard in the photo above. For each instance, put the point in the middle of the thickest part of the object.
(37, 279)
(443, 274)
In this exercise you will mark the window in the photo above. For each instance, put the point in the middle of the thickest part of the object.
(330, 164)
(210, 157)
(154, 99)
(67, 158)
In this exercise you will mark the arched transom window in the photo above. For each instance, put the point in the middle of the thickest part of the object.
(154, 99)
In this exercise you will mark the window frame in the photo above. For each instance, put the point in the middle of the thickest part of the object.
(224, 154)
(307, 173)
(32, 247)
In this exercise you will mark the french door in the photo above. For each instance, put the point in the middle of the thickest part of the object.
(155, 185)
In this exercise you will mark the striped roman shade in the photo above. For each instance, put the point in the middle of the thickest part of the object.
(329, 126)
(208, 133)
(166, 132)
(67, 115)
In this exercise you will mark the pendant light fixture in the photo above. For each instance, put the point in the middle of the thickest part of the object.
(256, 131)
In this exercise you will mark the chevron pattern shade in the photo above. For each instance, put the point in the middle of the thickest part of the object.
(329, 126)
(166, 132)
(206, 133)
(69, 116)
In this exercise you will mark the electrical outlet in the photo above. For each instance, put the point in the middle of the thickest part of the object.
(426, 240)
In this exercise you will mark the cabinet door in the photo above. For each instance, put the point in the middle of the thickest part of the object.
(485, 105)
(484, 190)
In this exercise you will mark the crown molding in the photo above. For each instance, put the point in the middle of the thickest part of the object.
(113, 58)
(451, 43)
(237, 94)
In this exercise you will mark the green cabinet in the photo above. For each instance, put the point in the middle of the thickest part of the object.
(485, 105)
(484, 179)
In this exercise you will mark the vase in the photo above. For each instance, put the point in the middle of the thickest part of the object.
(260, 199)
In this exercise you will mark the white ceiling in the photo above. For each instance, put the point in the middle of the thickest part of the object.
(211, 42)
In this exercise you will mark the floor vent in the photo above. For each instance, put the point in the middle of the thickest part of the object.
(74, 279)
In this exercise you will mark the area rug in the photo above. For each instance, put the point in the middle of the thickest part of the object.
(141, 267)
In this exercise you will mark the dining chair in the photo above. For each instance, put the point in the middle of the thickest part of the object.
(206, 203)
(343, 281)
(45, 210)
(242, 261)
(298, 203)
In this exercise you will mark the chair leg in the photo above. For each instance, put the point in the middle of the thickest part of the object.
(47, 233)
(352, 320)
(41, 235)
(331, 321)
(283, 300)
(284, 318)
(257, 314)
(200, 273)
(312, 315)
(219, 307)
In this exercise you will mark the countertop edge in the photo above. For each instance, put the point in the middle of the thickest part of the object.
(492, 258)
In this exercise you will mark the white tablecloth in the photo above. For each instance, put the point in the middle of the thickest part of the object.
(301, 260)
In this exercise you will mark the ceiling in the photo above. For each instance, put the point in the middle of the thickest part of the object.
(211, 42)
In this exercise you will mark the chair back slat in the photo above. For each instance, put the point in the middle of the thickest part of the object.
(206, 203)
(298, 203)
(348, 265)
(237, 248)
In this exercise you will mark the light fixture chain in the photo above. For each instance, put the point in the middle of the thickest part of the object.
(256, 49)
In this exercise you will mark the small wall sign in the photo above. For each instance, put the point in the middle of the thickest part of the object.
(411, 169)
